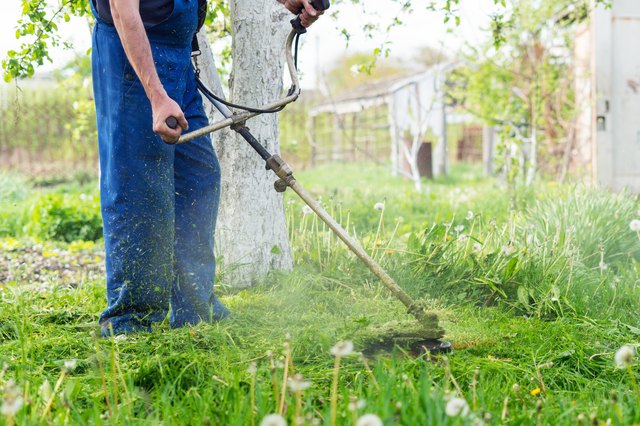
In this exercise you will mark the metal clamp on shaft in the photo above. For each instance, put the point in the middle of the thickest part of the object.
(282, 169)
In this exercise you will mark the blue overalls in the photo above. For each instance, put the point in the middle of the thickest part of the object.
(159, 202)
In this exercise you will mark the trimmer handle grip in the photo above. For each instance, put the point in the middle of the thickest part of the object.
(319, 5)
(171, 122)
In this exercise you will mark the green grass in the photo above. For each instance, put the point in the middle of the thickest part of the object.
(529, 308)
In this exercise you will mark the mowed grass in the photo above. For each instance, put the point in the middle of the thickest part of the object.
(536, 293)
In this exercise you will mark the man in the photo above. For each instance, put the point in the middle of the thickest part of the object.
(159, 201)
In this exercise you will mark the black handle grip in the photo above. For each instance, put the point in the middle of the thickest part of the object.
(171, 122)
(319, 5)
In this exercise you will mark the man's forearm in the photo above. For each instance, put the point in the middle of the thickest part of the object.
(126, 17)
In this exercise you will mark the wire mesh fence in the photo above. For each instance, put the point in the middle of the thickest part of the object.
(47, 132)
(51, 133)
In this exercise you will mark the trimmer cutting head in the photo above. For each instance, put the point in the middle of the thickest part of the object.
(410, 336)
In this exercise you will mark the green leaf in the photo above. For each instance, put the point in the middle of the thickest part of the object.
(413, 244)
(510, 270)
(276, 250)
(633, 330)
(523, 296)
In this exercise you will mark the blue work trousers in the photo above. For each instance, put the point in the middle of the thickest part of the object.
(159, 202)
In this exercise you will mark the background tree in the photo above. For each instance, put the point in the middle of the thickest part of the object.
(525, 87)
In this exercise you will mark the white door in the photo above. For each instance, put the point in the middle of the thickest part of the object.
(617, 74)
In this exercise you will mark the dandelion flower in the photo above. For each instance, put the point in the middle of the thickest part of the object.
(273, 420)
(463, 238)
(459, 228)
(535, 392)
(342, 349)
(379, 206)
(624, 356)
(470, 216)
(635, 225)
(457, 407)
(298, 384)
(12, 400)
(369, 420)
(307, 210)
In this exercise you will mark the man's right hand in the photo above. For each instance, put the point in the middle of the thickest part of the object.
(164, 107)
(308, 14)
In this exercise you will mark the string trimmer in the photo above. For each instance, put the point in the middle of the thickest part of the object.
(427, 333)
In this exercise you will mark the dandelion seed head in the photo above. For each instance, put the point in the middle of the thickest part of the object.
(342, 348)
(477, 246)
(12, 400)
(603, 266)
(379, 206)
(298, 384)
(634, 225)
(45, 390)
(470, 216)
(459, 228)
(457, 407)
(70, 365)
(273, 420)
(507, 250)
(369, 420)
(463, 238)
(252, 369)
(356, 404)
(624, 356)
(306, 210)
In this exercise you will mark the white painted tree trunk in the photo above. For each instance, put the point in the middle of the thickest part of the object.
(251, 235)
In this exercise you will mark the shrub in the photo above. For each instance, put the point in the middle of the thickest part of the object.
(66, 217)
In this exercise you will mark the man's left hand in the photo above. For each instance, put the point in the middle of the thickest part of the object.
(308, 15)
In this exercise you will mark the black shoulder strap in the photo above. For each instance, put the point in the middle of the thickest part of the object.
(202, 16)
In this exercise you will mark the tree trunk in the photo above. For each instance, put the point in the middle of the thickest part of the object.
(251, 235)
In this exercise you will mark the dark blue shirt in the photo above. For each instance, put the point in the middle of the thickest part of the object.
(152, 12)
